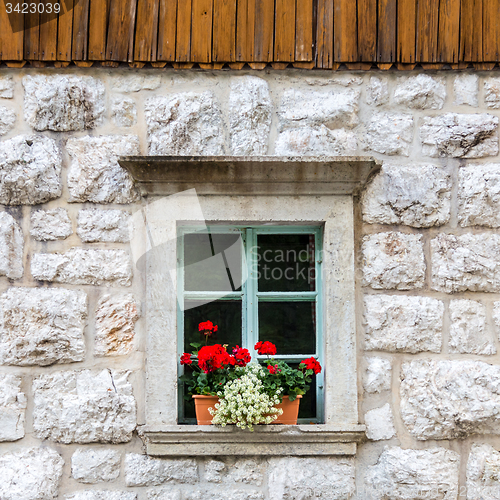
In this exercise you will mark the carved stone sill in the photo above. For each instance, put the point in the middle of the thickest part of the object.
(251, 175)
(270, 440)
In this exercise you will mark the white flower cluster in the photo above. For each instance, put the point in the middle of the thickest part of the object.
(244, 403)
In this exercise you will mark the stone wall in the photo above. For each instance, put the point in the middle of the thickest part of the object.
(72, 343)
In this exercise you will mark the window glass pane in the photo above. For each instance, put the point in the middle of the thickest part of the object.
(286, 262)
(289, 325)
(226, 314)
(212, 262)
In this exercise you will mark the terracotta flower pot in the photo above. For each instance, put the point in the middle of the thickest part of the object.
(203, 416)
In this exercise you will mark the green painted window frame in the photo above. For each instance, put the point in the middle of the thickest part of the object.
(250, 298)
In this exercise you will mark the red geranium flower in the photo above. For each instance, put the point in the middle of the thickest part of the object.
(273, 370)
(241, 355)
(186, 359)
(265, 348)
(213, 357)
(311, 364)
(207, 328)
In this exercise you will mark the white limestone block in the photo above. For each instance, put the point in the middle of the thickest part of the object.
(63, 103)
(135, 81)
(402, 323)
(12, 408)
(30, 474)
(414, 474)
(479, 195)
(250, 112)
(483, 473)
(188, 123)
(103, 225)
(42, 326)
(239, 470)
(50, 225)
(141, 470)
(95, 465)
(377, 376)
(466, 262)
(123, 112)
(6, 87)
(292, 477)
(84, 407)
(335, 109)
(11, 247)
(459, 135)
(414, 195)
(444, 399)
(81, 266)
(94, 173)
(115, 318)
(307, 141)
(393, 260)
(7, 119)
(492, 92)
(468, 331)
(466, 89)
(30, 170)
(377, 91)
(389, 133)
(380, 423)
(102, 495)
(420, 92)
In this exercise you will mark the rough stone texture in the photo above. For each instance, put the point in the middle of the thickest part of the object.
(7, 119)
(400, 323)
(185, 124)
(377, 91)
(235, 471)
(102, 495)
(468, 333)
(414, 475)
(123, 112)
(94, 173)
(63, 102)
(50, 225)
(466, 262)
(420, 92)
(30, 170)
(460, 136)
(393, 260)
(135, 82)
(115, 318)
(6, 87)
(442, 399)
(479, 195)
(11, 247)
(30, 474)
(492, 92)
(466, 88)
(335, 109)
(80, 266)
(95, 465)
(42, 326)
(167, 493)
(228, 493)
(141, 470)
(103, 225)
(483, 473)
(380, 423)
(389, 133)
(414, 195)
(496, 317)
(12, 408)
(250, 110)
(307, 141)
(84, 407)
(294, 478)
(377, 377)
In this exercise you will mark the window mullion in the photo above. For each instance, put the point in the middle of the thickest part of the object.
(251, 287)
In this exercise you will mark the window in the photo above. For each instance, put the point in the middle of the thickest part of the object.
(255, 283)
(254, 196)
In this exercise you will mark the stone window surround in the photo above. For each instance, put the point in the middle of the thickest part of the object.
(253, 190)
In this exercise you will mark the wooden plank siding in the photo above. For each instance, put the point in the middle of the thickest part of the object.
(212, 33)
